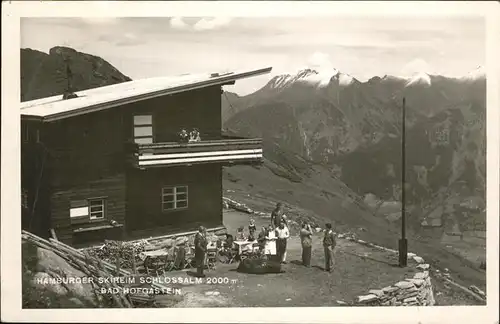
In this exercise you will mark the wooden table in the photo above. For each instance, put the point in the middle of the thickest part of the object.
(243, 245)
(154, 260)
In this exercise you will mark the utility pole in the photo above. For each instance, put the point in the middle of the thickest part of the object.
(403, 242)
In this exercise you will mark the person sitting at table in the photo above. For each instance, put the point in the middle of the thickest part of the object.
(240, 235)
(229, 241)
(228, 248)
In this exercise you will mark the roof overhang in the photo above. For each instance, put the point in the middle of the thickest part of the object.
(34, 110)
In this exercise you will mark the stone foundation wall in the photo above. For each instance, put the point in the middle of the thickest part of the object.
(416, 291)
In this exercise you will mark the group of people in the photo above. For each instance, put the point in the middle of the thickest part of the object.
(192, 136)
(329, 243)
(272, 241)
(277, 233)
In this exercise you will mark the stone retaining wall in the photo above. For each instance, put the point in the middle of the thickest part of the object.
(416, 291)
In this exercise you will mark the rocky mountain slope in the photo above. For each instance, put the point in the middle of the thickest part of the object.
(354, 128)
(44, 75)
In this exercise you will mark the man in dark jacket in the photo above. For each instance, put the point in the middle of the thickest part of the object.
(329, 242)
(200, 250)
(276, 215)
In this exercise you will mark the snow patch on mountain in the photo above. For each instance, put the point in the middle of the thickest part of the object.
(320, 78)
(419, 79)
(345, 79)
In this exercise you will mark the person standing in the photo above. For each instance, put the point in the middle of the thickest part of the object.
(329, 243)
(276, 215)
(270, 245)
(306, 240)
(252, 228)
(200, 250)
(282, 234)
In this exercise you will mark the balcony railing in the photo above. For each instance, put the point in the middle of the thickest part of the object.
(226, 151)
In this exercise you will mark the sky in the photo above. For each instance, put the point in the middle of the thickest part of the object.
(362, 47)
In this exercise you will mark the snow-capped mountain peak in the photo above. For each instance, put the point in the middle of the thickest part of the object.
(317, 77)
(420, 78)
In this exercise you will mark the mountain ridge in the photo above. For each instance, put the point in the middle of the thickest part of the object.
(324, 76)
(357, 127)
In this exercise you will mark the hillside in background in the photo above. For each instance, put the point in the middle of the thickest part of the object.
(354, 128)
(44, 75)
(332, 150)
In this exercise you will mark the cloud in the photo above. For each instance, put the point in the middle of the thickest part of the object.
(211, 23)
(200, 25)
(319, 60)
(101, 20)
(416, 66)
(178, 23)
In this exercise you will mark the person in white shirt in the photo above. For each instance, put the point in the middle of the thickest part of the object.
(282, 234)
(270, 245)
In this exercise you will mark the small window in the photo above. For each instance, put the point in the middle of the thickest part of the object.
(96, 209)
(174, 198)
(92, 209)
(143, 129)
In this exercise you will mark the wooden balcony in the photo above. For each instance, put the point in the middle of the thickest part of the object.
(225, 151)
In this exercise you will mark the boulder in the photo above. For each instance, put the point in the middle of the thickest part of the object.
(423, 266)
(477, 291)
(51, 262)
(367, 298)
(377, 292)
(389, 289)
(48, 260)
(77, 302)
(421, 275)
(418, 259)
(416, 282)
(404, 285)
(37, 282)
(410, 300)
